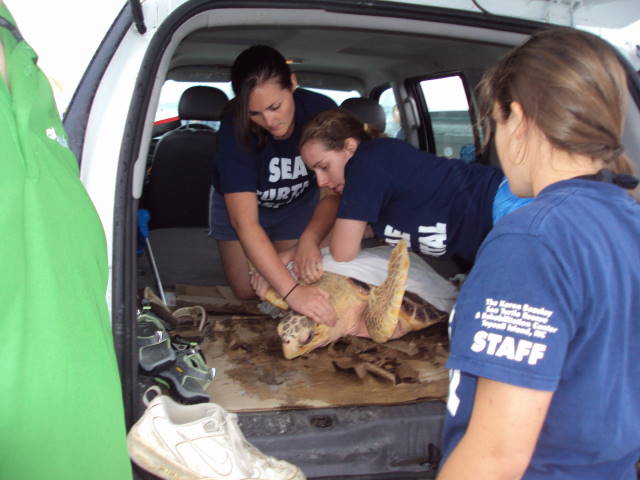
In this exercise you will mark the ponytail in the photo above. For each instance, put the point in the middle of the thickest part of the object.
(373, 131)
(571, 85)
(333, 127)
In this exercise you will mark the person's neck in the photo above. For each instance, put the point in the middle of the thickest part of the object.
(560, 165)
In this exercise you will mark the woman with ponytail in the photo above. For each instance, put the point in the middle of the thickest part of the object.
(442, 207)
(545, 378)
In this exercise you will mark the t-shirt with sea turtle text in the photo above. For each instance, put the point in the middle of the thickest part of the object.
(276, 172)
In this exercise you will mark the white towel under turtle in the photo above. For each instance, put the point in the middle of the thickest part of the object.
(370, 266)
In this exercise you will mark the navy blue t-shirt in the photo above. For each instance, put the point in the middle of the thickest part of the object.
(276, 173)
(440, 206)
(553, 303)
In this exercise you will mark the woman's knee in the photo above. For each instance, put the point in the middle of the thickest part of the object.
(234, 263)
(242, 291)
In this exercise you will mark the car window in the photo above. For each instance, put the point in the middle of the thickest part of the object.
(170, 97)
(448, 106)
(393, 126)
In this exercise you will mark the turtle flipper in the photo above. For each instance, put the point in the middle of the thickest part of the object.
(274, 299)
(384, 302)
(270, 295)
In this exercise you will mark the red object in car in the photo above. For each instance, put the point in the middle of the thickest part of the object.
(166, 120)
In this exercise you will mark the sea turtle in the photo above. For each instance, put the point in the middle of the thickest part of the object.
(381, 312)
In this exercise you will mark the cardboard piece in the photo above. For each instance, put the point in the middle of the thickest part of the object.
(215, 299)
(253, 375)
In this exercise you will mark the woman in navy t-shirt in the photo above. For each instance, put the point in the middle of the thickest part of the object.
(265, 201)
(441, 207)
(545, 378)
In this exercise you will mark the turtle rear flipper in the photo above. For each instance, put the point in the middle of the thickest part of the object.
(384, 302)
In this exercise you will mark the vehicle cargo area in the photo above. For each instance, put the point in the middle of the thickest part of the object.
(353, 408)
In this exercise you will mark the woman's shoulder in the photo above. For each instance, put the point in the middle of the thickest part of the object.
(313, 100)
(227, 117)
(563, 207)
(386, 145)
(387, 156)
(399, 154)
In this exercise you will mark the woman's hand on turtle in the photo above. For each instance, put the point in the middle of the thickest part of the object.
(307, 261)
(314, 303)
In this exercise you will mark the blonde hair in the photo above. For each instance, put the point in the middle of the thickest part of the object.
(333, 127)
(571, 85)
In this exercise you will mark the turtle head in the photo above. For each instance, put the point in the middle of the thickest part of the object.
(301, 335)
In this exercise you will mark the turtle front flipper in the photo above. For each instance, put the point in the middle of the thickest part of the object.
(275, 299)
(384, 302)
(270, 295)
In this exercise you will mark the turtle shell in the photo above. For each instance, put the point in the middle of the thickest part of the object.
(362, 310)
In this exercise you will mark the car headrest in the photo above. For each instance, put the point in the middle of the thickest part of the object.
(367, 110)
(202, 103)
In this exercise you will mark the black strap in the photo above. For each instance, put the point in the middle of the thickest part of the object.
(11, 27)
(624, 180)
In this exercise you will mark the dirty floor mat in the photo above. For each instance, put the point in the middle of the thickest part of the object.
(253, 375)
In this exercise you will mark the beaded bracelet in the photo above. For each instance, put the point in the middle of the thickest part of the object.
(292, 289)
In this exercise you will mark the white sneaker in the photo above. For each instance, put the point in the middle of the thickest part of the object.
(199, 442)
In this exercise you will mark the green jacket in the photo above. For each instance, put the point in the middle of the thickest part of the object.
(61, 412)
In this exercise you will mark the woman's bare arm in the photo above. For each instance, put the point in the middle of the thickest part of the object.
(503, 430)
(243, 213)
(346, 239)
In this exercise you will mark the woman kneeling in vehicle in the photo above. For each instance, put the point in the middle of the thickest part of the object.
(265, 201)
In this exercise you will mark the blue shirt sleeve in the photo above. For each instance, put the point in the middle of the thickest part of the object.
(513, 319)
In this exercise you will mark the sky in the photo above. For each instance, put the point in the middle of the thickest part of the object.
(66, 33)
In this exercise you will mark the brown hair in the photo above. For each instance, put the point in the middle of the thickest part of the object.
(254, 66)
(333, 127)
(571, 85)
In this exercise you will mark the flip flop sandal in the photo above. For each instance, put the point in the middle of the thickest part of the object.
(195, 316)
